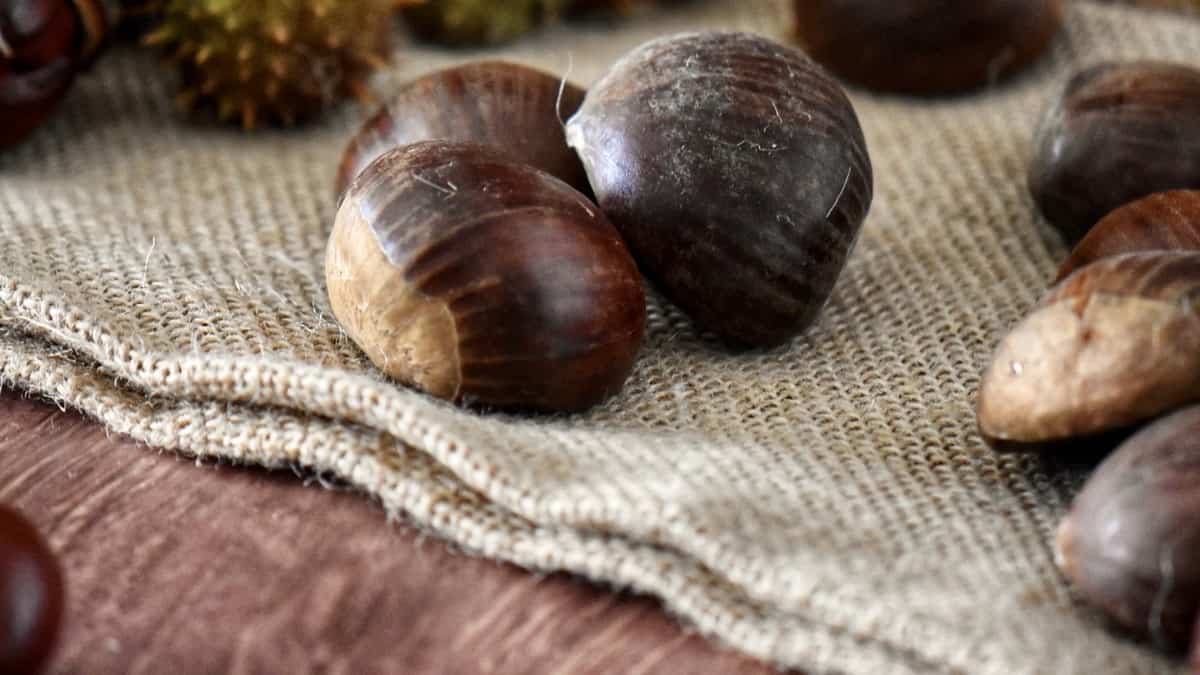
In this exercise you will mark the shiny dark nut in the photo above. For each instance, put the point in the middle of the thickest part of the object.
(1163, 221)
(485, 281)
(512, 107)
(1114, 344)
(1131, 542)
(31, 596)
(926, 46)
(737, 172)
(1117, 133)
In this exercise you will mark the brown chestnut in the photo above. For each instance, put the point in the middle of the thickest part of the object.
(1131, 542)
(510, 106)
(1118, 132)
(737, 172)
(1114, 344)
(926, 46)
(31, 596)
(1163, 221)
(43, 44)
(484, 281)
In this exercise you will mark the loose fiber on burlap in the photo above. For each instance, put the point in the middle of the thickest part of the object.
(827, 505)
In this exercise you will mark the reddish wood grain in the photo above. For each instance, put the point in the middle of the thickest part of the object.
(175, 568)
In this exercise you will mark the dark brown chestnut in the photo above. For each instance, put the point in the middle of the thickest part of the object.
(31, 596)
(926, 46)
(1118, 132)
(737, 172)
(43, 44)
(1163, 221)
(510, 106)
(1114, 344)
(484, 281)
(1131, 542)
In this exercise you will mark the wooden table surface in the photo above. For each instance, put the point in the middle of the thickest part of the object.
(178, 568)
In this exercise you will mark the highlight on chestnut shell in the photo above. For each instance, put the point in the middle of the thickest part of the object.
(484, 281)
(926, 47)
(1116, 133)
(498, 103)
(737, 172)
(32, 596)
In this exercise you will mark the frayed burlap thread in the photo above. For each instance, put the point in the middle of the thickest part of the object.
(826, 505)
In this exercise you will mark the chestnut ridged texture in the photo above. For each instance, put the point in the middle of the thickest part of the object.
(1114, 344)
(736, 170)
(484, 281)
(1131, 541)
(510, 106)
(1117, 133)
(1163, 221)
(926, 47)
(31, 596)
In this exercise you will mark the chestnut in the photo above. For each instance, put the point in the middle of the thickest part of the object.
(31, 596)
(1118, 132)
(510, 106)
(1131, 541)
(1112, 345)
(926, 47)
(737, 172)
(484, 281)
(1163, 221)
(43, 44)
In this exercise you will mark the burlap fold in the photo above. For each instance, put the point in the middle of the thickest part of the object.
(827, 505)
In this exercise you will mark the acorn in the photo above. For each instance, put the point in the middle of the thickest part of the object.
(1113, 345)
(1163, 221)
(1116, 133)
(737, 172)
(276, 61)
(480, 22)
(926, 47)
(1131, 542)
(43, 45)
(484, 281)
(505, 105)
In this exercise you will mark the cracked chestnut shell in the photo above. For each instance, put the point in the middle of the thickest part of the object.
(484, 281)
(1131, 541)
(506, 105)
(737, 172)
(1117, 133)
(31, 596)
(1114, 344)
(1163, 221)
(926, 47)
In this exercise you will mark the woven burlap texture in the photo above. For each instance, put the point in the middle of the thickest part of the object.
(827, 505)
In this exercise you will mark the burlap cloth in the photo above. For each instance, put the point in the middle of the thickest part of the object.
(827, 505)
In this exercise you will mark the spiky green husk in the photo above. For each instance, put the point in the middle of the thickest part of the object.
(275, 61)
(480, 22)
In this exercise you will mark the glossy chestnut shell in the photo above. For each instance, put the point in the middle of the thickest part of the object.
(926, 46)
(1131, 542)
(1111, 346)
(31, 596)
(736, 170)
(1167, 221)
(1118, 132)
(484, 281)
(512, 107)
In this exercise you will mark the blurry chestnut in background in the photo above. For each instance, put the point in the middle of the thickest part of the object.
(926, 46)
(1118, 132)
(484, 281)
(737, 172)
(514, 108)
(31, 596)
(1162, 221)
(43, 44)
